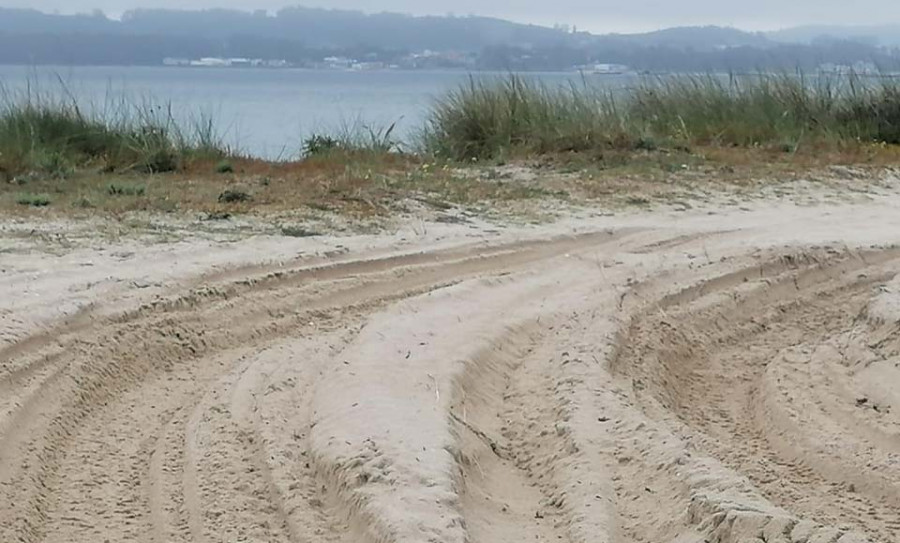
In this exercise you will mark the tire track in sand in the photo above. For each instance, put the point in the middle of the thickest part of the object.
(714, 360)
(498, 410)
(116, 356)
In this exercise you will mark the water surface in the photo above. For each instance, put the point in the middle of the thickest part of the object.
(268, 112)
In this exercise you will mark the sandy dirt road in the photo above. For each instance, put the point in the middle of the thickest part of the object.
(728, 377)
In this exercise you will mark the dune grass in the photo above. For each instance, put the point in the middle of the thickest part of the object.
(60, 155)
(52, 134)
(518, 116)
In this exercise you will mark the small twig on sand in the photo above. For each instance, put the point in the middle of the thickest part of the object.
(437, 389)
(481, 435)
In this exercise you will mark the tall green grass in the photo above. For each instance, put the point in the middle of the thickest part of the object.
(52, 133)
(491, 118)
(486, 117)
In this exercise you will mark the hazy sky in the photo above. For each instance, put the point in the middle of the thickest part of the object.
(594, 15)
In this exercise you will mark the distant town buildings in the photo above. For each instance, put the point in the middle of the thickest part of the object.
(608, 69)
(216, 62)
(338, 63)
(426, 59)
(422, 60)
(857, 68)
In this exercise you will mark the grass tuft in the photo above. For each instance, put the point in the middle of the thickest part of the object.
(225, 166)
(231, 196)
(489, 118)
(52, 134)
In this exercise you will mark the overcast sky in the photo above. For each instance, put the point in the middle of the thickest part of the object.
(593, 15)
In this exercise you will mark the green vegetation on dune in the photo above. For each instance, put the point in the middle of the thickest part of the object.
(517, 116)
(55, 153)
(767, 109)
(45, 135)
(485, 118)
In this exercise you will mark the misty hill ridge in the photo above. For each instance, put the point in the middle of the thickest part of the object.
(338, 28)
(316, 27)
(695, 37)
(306, 37)
(885, 35)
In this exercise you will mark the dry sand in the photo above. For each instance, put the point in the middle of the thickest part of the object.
(660, 377)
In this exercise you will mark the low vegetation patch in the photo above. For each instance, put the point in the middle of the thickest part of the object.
(117, 189)
(352, 139)
(33, 200)
(294, 231)
(233, 196)
(225, 166)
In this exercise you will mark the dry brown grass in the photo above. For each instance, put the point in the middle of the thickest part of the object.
(365, 184)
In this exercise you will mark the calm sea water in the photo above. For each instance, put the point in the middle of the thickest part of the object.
(267, 113)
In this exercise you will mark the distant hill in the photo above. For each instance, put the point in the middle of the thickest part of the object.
(311, 27)
(880, 35)
(340, 28)
(30, 21)
(308, 37)
(693, 37)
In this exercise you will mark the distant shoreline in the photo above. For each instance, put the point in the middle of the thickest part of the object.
(461, 71)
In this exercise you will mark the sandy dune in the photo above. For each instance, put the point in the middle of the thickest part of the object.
(729, 377)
